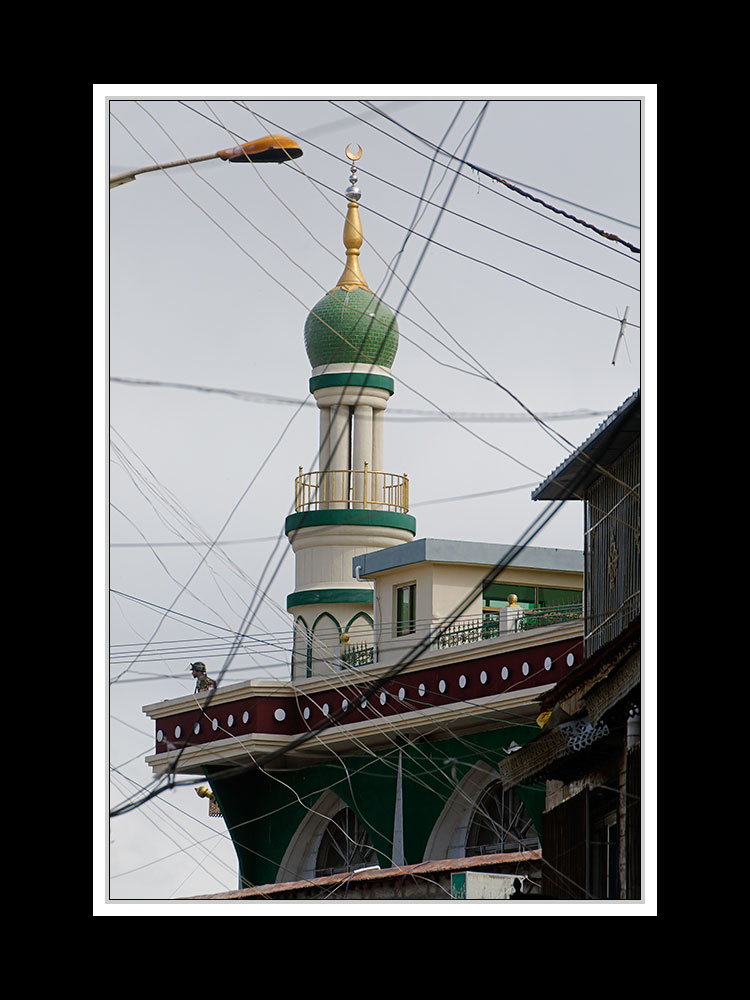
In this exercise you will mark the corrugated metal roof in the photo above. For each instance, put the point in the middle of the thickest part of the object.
(449, 865)
(608, 441)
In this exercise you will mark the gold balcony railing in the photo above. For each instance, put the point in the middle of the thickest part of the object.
(351, 488)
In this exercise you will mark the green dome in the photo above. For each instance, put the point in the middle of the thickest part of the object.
(351, 327)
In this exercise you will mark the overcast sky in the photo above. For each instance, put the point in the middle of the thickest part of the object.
(208, 274)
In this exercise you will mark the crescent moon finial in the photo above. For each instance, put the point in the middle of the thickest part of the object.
(352, 276)
(353, 193)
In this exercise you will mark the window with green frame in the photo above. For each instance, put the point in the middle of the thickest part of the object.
(406, 603)
(530, 598)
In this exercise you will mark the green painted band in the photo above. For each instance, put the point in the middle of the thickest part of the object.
(351, 378)
(332, 595)
(365, 518)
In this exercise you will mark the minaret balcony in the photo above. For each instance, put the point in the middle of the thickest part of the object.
(354, 489)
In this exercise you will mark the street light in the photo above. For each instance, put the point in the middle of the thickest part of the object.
(270, 149)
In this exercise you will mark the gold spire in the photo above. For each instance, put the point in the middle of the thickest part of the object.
(352, 276)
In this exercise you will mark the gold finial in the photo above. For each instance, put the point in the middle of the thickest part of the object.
(512, 599)
(352, 276)
(213, 805)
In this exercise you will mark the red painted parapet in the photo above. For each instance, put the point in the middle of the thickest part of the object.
(437, 686)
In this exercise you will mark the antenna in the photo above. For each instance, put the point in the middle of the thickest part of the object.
(621, 334)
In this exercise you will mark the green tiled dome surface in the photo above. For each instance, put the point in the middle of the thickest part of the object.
(368, 329)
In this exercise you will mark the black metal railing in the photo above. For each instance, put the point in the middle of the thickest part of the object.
(360, 655)
(549, 616)
(488, 627)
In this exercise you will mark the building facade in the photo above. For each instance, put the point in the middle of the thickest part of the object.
(418, 665)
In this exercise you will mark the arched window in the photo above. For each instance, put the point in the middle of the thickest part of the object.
(301, 649)
(361, 622)
(500, 824)
(325, 636)
(345, 845)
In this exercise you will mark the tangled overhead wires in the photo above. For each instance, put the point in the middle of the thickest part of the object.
(512, 187)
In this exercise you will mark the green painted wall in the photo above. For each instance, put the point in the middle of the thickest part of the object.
(262, 813)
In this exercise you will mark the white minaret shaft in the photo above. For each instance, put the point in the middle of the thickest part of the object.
(349, 504)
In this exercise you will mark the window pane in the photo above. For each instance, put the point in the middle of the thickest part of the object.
(405, 602)
(496, 595)
(550, 597)
(500, 823)
(345, 845)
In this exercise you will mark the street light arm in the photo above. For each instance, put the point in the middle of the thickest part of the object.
(130, 175)
(270, 149)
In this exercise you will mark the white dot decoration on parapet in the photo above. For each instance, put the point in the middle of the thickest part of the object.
(505, 673)
(547, 663)
(197, 728)
(306, 713)
(215, 724)
(442, 686)
(462, 681)
(483, 677)
(571, 659)
(363, 703)
(422, 690)
(160, 736)
(326, 709)
(230, 721)
(177, 732)
(279, 715)
(344, 704)
(401, 694)
(383, 697)
(525, 669)
(245, 717)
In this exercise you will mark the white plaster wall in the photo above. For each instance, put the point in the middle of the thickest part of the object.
(451, 587)
(326, 645)
(323, 555)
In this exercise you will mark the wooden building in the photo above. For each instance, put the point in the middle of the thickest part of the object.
(589, 750)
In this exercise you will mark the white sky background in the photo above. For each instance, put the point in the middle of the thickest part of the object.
(195, 292)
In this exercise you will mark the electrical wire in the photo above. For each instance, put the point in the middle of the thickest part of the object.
(450, 211)
(536, 526)
(565, 201)
(417, 748)
(395, 414)
(297, 168)
(250, 613)
(502, 180)
(495, 177)
(480, 369)
(401, 381)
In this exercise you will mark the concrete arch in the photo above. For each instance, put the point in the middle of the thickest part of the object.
(325, 614)
(448, 837)
(301, 648)
(361, 629)
(359, 614)
(302, 851)
(326, 640)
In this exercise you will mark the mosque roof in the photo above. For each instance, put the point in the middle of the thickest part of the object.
(350, 324)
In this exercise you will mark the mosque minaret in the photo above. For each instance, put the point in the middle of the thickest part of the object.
(348, 505)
